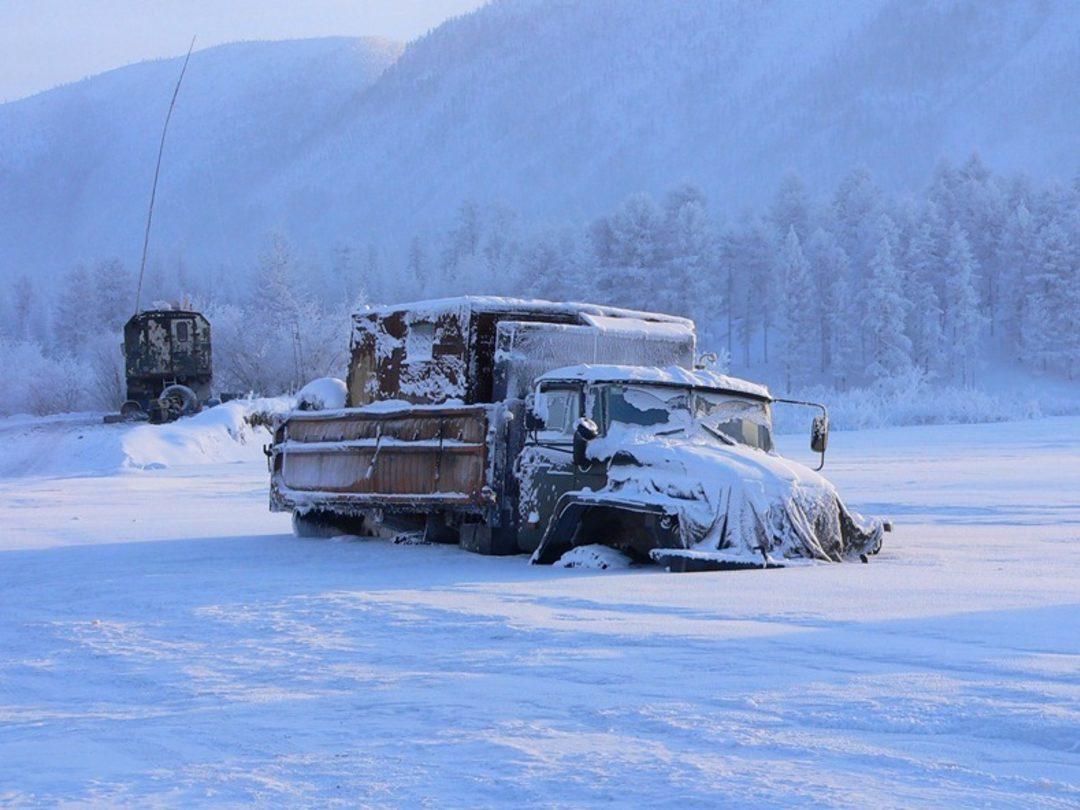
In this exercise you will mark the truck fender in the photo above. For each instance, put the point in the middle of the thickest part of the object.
(564, 529)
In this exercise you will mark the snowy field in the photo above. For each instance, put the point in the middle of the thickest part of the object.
(167, 640)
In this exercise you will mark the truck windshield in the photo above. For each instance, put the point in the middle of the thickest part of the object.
(747, 421)
(671, 409)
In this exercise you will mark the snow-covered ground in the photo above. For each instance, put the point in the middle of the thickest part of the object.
(166, 639)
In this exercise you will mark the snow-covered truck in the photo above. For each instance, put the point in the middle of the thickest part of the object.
(533, 427)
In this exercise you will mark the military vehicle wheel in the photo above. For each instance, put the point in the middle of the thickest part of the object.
(181, 400)
(325, 524)
(131, 411)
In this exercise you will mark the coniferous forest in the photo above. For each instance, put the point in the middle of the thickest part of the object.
(849, 291)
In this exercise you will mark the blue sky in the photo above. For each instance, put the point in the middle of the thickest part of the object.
(48, 42)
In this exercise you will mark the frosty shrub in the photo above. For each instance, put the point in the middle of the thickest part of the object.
(37, 384)
(912, 399)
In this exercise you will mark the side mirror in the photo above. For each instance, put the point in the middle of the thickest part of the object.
(585, 430)
(819, 434)
(533, 422)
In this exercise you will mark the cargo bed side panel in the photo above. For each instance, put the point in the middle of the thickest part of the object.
(427, 457)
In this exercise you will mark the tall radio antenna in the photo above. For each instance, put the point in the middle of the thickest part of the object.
(157, 171)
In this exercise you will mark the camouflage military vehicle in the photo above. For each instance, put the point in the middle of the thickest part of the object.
(513, 427)
(168, 364)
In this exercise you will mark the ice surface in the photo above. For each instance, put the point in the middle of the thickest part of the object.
(168, 641)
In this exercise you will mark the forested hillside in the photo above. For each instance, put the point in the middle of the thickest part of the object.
(875, 196)
(554, 109)
(857, 289)
(76, 162)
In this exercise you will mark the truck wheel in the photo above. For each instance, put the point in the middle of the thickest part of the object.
(325, 524)
(131, 411)
(181, 399)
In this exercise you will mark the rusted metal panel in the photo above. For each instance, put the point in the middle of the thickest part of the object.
(420, 357)
(431, 352)
(460, 424)
(427, 455)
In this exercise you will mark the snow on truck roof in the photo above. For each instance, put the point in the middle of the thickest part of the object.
(493, 303)
(670, 375)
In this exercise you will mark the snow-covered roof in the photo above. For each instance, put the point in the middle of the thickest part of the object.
(493, 303)
(669, 375)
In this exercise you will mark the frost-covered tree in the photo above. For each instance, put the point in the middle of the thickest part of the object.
(462, 244)
(829, 270)
(728, 261)
(628, 247)
(114, 294)
(888, 347)
(791, 207)
(857, 206)
(23, 309)
(344, 281)
(555, 264)
(1054, 288)
(798, 318)
(758, 264)
(1017, 251)
(687, 287)
(924, 324)
(73, 310)
(982, 214)
(498, 254)
(862, 284)
(963, 322)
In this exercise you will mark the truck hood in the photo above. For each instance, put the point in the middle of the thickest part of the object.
(735, 502)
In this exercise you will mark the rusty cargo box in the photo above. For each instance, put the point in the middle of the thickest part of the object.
(450, 349)
(353, 459)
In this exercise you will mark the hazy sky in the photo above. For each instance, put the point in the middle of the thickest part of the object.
(48, 42)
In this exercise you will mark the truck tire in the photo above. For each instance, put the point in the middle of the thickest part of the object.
(182, 400)
(131, 411)
(325, 524)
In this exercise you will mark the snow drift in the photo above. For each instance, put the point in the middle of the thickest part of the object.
(81, 444)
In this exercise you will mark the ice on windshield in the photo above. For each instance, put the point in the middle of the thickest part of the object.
(647, 405)
(744, 421)
(559, 407)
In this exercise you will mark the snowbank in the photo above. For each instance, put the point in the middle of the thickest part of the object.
(323, 394)
(81, 444)
(595, 557)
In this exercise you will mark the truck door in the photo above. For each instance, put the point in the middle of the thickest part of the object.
(545, 466)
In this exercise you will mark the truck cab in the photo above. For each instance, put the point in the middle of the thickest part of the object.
(671, 465)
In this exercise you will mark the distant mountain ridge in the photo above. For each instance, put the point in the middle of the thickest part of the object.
(554, 108)
(76, 162)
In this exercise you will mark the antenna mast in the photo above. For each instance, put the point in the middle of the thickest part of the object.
(157, 171)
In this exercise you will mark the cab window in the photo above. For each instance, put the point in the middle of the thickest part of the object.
(559, 407)
(182, 331)
(420, 341)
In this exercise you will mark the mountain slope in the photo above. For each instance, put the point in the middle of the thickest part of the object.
(76, 163)
(559, 108)
(555, 108)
